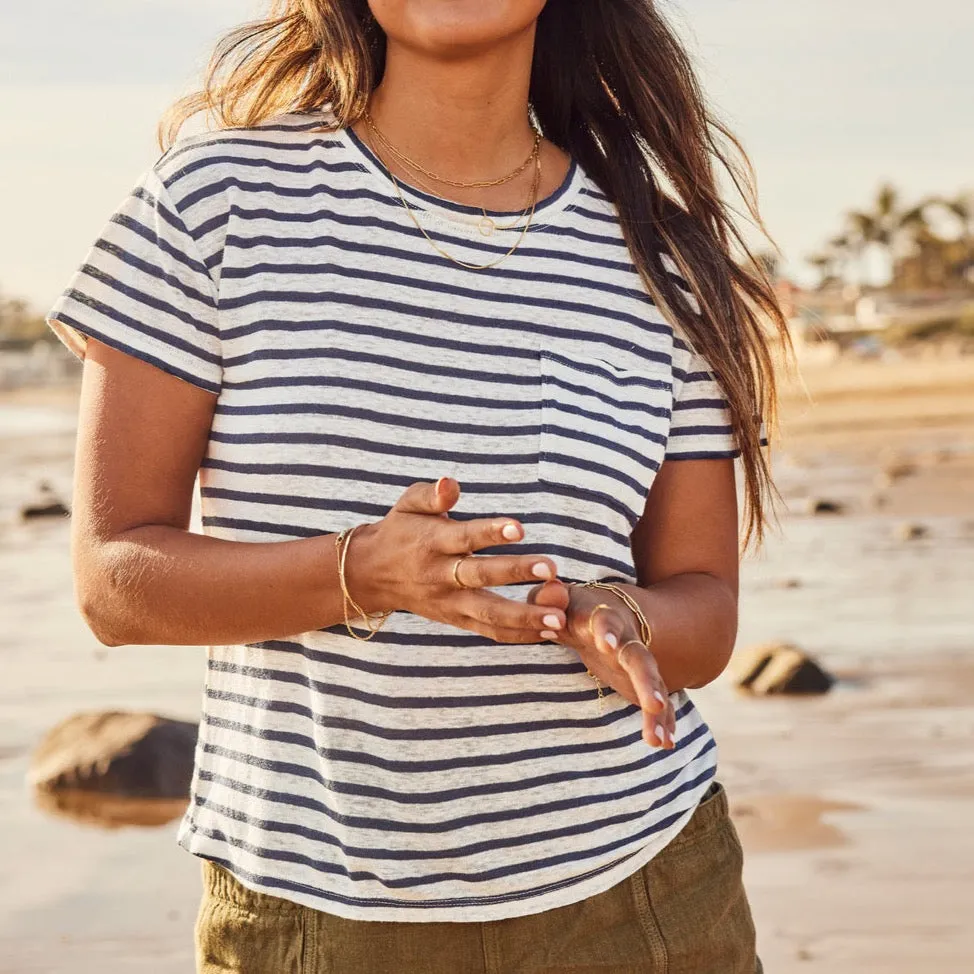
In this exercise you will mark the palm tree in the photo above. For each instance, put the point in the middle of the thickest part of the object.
(18, 322)
(955, 254)
(962, 208)
(917, 256)
(841, 249)
(863, 229)
(903, 231)
(769, 264)
(881, 225)
(827, 263)
(822, 263)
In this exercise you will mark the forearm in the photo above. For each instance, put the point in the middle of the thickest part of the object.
(161, 585)
(694, 624)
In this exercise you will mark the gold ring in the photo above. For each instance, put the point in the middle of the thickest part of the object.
(628, 642)
(456, 571)
(591, 618)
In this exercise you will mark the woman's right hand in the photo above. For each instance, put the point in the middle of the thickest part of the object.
(406, 561)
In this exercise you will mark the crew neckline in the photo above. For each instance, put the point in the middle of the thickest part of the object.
(423, 203)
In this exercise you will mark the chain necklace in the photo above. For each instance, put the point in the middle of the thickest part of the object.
(456, 260)
(477, 184)
(486, 224)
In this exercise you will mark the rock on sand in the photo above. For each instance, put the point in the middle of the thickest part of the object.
(136, 755)
(778, 668)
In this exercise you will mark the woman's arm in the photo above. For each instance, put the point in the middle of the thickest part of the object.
(142, 578)
(687, 556)
(685, 549)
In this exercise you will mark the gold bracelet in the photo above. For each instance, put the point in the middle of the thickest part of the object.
(645, 632)
(598, 686)
(341, 547)
(373, 622)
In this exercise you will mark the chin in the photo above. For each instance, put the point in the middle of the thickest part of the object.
(444, 27)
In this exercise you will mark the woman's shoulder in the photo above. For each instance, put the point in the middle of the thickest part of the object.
(279, 148)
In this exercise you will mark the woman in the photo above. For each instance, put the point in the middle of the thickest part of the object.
(442, 350)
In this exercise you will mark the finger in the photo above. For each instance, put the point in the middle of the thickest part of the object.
(667, 715)
(496, 612)
(485, 571)
(599, 628)
(425, 498)
(604, 629)
(667, 721)
(640, 666)
(455, 537)
(512, 636)
(554, 593)
(670, 717)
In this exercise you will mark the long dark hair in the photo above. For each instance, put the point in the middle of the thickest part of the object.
(612, 85)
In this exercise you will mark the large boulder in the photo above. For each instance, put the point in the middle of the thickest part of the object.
(778, 668)
(136, 755)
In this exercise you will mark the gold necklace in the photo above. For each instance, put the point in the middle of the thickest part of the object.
(477, 184)
(486, 224)
(456, 260)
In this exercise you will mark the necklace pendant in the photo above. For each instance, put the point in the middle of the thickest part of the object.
(486, 226)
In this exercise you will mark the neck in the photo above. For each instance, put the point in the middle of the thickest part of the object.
(467, 117)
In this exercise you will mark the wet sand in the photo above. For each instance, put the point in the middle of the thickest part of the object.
(853, 808)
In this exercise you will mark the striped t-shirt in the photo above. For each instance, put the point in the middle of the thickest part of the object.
(429, 774)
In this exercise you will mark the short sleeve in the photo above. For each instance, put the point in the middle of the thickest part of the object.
(701, 427)
(145, 290)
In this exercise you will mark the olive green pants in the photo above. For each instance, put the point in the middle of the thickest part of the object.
(685, 912)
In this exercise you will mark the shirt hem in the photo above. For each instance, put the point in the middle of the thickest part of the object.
(515, 905)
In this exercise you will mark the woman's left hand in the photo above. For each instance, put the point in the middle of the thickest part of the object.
(606, 636)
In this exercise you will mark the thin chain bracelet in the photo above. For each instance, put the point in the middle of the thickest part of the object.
(645, 631)
(372, 622)
(598, 686)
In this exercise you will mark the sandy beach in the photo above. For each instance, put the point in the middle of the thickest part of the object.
(854, 808)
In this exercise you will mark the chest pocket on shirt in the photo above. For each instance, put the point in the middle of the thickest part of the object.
(603, 432)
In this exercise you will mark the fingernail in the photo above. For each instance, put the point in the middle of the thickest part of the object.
(660, 735)
(552, 622)
(659, 696)
(511, 532)
(610, 638)
(541, 570)
(438, 486)
(547, 634)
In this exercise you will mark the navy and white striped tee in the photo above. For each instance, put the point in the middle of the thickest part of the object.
(429, 774)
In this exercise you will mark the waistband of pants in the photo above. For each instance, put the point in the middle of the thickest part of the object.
(222, 885)
(712, 812)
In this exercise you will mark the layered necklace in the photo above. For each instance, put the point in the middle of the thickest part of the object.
(486, 224)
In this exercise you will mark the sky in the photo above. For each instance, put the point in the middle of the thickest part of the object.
(829, 97)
